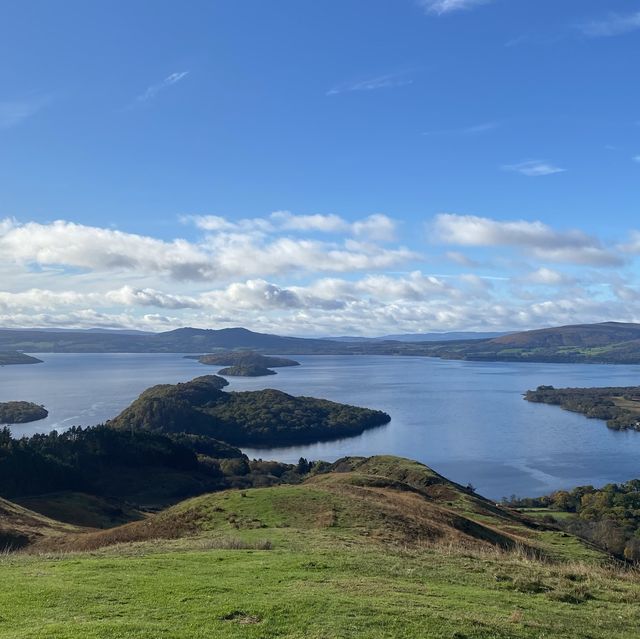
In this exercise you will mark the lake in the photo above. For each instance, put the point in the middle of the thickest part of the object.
(467, 420)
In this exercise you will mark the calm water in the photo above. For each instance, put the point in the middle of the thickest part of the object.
(467, 420)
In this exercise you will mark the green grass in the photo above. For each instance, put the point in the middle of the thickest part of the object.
(542, 512)
(384, 549)
(315, 592)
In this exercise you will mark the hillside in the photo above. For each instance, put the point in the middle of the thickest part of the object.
(375, 548)
(183, 340)
(606, 343)
(101, 476)
(618, 406)
(252, 418)
(20, 527)
(387, 499)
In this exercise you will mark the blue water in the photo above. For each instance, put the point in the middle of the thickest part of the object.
(467, 420)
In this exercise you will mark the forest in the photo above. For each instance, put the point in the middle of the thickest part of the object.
(142, 468)
(618, 406)
(609, 516)
(252, 418)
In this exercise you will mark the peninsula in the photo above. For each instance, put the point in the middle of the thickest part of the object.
(618, 406)
(9, 358)
(21, 412)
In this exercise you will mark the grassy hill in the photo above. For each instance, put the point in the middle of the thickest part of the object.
(606, 343)
(21, 527)
(376, 548)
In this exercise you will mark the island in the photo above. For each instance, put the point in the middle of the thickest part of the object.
(9, 358)
(244, 363)
(618, 406)
(244, 358)
(251, 370)
(250, 418)
(21, 412)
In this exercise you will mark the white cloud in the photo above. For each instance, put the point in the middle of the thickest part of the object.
(218, 256)
(633, 246)
(152, 91)
(373, 304)
(310, 274)
(377, 227)
(534, 168)
(541, 240)
(130, 296)
(14, 112)
(372, 84)
(548, 277)
(323, 223)
(615, 24)
(75, 245)
(440, 7)
(636, 158)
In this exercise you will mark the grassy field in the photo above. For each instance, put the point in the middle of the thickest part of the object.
(385, 549)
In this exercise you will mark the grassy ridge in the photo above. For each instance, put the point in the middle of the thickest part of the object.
(377, 548)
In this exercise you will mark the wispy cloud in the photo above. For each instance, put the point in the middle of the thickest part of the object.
(636, 158)
(615, 24)
(440, 7)
(542, 241)
(372, 84)
(476, 129)
(152, 91)
(534, 168)
(13, 112)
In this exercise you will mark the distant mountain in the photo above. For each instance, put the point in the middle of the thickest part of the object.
(606, 343)
(114, 331)
(182, 340)
(589, 335)
(421, 337)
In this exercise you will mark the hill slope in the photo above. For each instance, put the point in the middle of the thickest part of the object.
(384, 499)
(606, 343)
(20, 527)
(377, 548)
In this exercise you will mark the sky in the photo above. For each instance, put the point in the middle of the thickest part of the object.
(319, 167)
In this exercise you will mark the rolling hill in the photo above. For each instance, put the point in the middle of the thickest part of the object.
(606, 343)
(374, 548)
(21, 527)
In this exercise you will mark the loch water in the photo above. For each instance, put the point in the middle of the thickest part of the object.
(467, 420)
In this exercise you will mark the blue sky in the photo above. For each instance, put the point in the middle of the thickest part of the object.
(361, 166)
